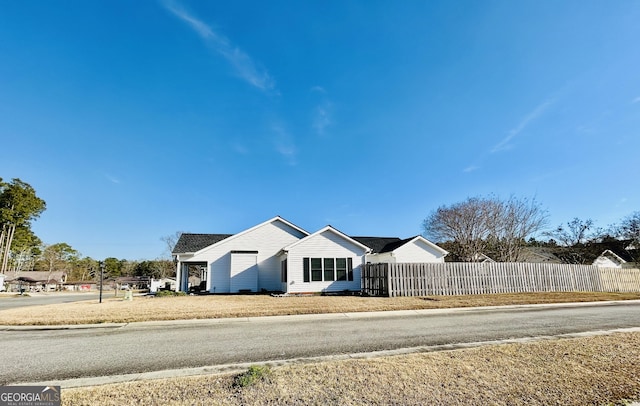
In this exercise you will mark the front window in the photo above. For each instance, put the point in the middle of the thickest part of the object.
(327, 269)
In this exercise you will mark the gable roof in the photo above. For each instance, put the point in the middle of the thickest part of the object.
(617, 257)
(626, 254)
(380, 245)
(193, 243)
(393, 247)
(333, 230)
(377, 244)
(189, 242)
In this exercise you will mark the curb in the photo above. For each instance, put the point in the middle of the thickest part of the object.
(61, 327)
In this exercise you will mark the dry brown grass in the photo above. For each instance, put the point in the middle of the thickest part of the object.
(585, 371)
(116, 310)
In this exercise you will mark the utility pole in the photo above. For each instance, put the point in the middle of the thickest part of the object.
(101, 278)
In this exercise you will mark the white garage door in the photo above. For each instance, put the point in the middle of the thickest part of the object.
(244, 271)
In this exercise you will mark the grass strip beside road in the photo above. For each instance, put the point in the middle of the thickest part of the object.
(583, 371)
(117, 310)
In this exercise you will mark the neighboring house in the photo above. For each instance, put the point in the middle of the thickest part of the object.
(395, 250)
(38, 280)
(539, 255)
(279, 256)
(2, 288)
(610, 259)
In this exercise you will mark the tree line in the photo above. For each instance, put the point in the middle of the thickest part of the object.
(501, 229)
(62, 257)
(470, 230)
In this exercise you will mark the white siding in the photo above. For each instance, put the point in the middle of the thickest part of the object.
(220, 274)
(417, 251)
(324, 245)
(244, 272)
(268, 240)
(412, 252)
(381, 258)
(604, 261)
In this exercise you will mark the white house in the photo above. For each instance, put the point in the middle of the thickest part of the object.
(247, 261)
(279, 256)
(609, 259)
(395, 250)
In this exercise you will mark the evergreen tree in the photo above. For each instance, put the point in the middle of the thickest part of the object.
(19, 205)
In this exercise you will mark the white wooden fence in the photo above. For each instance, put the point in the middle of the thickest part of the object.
(467, 278)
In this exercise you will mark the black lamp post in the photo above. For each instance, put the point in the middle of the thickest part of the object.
(101, 278)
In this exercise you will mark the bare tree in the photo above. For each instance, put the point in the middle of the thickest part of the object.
(24, 259)
(573, 233)
(482, 224)
(170, 242)
(465, 223)
(515, 220)
(629, 229)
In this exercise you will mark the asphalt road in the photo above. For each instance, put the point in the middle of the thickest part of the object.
(38, 356)
(35, 299)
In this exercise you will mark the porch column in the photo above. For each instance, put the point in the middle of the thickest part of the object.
(209, 272)
(178, 275)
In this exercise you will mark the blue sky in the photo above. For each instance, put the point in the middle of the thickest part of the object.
(134, 120)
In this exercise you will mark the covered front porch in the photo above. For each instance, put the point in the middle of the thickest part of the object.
(235, 272)
(192, 276)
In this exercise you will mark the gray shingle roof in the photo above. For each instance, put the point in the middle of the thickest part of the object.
(397, 244)
(539, 255)
(189, 242)
(381, 244)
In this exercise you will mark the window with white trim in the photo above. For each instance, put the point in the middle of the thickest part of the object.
(327, 269)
